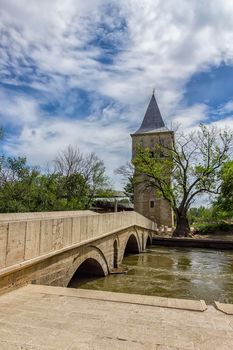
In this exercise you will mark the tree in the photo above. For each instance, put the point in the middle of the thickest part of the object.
(200, 215)
(190, 167)
(127, 173)
(72, 185)
(83, 175)
(69, 161)
(17, 185)
(94, 175)
(224, 204)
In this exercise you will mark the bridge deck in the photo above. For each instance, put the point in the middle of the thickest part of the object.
(39, 317)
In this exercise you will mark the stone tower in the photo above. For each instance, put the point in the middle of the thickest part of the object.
(151, 132)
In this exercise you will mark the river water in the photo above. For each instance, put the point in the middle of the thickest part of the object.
(173, 272)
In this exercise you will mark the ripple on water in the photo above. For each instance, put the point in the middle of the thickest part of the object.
(179, 273)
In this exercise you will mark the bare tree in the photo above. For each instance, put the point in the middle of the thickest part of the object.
(127, 173)
(71, 162)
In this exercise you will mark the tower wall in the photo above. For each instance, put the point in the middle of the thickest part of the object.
(145, 200)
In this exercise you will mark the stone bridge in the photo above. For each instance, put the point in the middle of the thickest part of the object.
(50, 248)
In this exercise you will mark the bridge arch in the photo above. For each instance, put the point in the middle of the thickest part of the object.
(91, 263)
(88, 268)
(132, 245)
(147, 240)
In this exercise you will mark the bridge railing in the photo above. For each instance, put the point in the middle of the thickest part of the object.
(24, 238)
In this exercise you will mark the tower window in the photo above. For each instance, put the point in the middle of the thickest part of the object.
(152, 204)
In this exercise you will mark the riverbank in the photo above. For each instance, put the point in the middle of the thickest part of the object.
(195, 242)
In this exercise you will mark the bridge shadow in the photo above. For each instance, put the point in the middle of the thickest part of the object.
(89, 270)
(132, 246)
(115, 254)
(148, 241)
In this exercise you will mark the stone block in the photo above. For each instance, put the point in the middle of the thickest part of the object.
(76, 229)
(90, 228)
(67, 236)
(58, 234)
(46, 236)
(3, 243)
(95, 226)
(32, 241)
(16, 243)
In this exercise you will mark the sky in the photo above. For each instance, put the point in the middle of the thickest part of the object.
(81, 73)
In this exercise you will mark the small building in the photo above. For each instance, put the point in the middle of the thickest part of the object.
(118, 202)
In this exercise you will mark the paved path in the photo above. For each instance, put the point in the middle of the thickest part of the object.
(39, 317)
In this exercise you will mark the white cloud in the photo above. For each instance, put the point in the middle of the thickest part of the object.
(226, 109)
(41, 144)
(18, 110)
(189, 117)
(226, 123)
(56, 44)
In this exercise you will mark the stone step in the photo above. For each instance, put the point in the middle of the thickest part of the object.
(183, 304)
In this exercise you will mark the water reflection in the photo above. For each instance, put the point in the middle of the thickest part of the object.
(178, 273)
(184, 263)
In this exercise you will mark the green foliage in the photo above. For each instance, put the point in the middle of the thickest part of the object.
(129, 189)
(157, 170)
(214, 228)
(224, 204)
(24, 188)
(200, 215)
(104, 193)
(16, 184)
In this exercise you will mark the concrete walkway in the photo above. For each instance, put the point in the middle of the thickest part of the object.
(40, 317)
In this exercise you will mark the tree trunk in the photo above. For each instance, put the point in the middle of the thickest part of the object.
(182, 226)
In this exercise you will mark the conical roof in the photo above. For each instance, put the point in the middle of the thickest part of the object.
(153, 120)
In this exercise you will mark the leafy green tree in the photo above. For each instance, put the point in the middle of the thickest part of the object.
(105, 193)
(200, 215)
(129, 190)
(224, 205)
(72, 186)
(17, 185)
(185, 170)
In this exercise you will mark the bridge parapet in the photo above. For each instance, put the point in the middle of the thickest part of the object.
(7, 217)
(28, 237)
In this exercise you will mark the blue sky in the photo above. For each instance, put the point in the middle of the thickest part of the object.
(82, 72)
